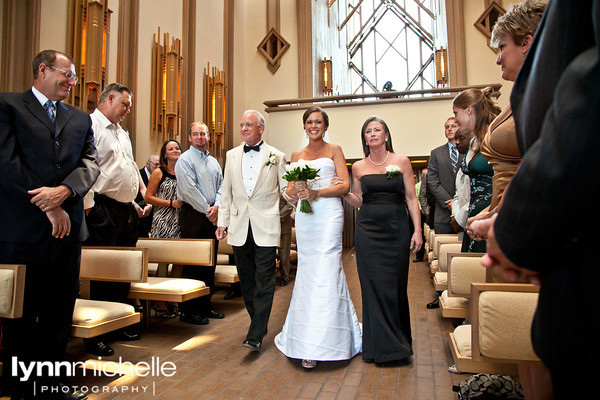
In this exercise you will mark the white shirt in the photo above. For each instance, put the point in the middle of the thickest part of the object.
(251, 167)
(119, 174)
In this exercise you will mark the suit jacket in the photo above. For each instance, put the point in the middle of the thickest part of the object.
(237, 211)
(441, 180)
(140, 199)
(35, 153)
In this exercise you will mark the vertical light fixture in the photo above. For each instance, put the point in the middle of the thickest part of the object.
(89, 22)
(441, 67)
(165, 114)
(214, 109)
(327, 76)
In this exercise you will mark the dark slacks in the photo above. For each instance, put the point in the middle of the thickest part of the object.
(256, 269)
(51, 284)
(111, 223)
(195, 225)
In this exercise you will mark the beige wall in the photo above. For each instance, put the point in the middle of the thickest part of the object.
(53, 35)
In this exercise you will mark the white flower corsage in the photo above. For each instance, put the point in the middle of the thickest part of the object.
(272, 159)
(392, 170)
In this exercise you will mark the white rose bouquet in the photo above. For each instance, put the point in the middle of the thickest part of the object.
(301, 171)
(392, 170)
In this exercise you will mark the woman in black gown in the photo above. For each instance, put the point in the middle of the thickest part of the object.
(384, 192)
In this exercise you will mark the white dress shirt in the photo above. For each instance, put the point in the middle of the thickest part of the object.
(251, 167)
(119, 174)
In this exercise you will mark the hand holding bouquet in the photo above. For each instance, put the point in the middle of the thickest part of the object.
(300, 171)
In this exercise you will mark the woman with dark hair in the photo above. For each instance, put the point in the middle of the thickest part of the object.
(162, 193)
(474, 111)
(321, 323)
(384, 193)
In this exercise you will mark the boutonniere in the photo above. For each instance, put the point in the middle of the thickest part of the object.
(392, 170)
(272, 159)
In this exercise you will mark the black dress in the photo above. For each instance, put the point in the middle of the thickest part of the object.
(382, 240)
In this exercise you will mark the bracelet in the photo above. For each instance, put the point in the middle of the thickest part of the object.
(316, 193)
(170, 203)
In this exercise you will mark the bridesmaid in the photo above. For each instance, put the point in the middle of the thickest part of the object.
(474, 111)
(384, 192)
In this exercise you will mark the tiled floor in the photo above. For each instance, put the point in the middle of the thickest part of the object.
(211, 363)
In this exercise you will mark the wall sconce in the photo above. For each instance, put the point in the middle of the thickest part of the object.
(89, 27)
(214, 109)
(327, 76)
(441, 67)
(165, 118)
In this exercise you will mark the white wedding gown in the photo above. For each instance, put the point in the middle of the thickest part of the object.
(321, 323)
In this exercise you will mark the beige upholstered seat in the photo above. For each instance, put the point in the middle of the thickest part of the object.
(114, 264)
(12, 288)
(463, 269)
(437, 241)
(440, 277)
(499, 335)
(225, 271)
(92, 317)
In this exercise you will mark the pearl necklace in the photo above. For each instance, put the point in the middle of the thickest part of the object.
(386, 157)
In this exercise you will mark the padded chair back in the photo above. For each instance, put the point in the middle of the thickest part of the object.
(464, 269)
(114, 264)
(178, 251)
(225, 248)
(12, 290)
(501, 318)
(445, 249)
(438, 240)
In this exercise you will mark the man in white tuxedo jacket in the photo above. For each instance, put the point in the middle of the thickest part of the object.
(249, 216)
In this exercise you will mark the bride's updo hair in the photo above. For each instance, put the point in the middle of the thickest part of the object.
(388, 144)
(484, 108)
(316, 109)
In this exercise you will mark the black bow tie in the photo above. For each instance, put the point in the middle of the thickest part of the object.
(256, 147)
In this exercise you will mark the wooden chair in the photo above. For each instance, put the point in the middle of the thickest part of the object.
(12, 291)
(114, 264)
(433, 255)
(197, 252)
(463, 269)
(225, 271)
(498, 337)
(440, 278)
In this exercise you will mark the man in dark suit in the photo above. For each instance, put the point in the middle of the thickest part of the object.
(441, 174)
(536, 234)
(146, 217)
(48, 163)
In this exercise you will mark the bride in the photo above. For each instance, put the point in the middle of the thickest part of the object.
(321, 324)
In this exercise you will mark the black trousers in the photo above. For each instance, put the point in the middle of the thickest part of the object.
(111, 223)
(195, 225)
(51, 285)
(256, 268)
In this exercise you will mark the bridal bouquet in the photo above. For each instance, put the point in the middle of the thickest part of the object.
(300, 171)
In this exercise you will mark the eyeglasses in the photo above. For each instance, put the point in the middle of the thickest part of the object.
(67, 74)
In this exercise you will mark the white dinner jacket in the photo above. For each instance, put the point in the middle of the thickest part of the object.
(261, 209)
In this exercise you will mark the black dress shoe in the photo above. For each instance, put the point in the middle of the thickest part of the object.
(417, 260)
(67, 393)
(129, 336)
(232, 294)
(98, 348)
(193, 319)
(253, 345)
(214, 314)
(284, 282)
(434, 304)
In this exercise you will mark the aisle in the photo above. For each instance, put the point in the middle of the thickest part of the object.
(210, 363)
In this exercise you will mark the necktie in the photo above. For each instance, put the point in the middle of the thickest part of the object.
(49, 107)
(453, 157)
(247, 148)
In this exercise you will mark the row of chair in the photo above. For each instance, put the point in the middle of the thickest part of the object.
(497, 337)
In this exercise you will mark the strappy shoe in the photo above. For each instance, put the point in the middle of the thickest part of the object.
(309, 363)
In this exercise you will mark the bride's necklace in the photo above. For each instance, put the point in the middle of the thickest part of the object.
(383, 162)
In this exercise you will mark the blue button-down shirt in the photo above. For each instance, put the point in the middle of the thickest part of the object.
(199, 180)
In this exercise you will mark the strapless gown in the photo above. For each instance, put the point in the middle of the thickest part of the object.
(382, 240)
(321, 323)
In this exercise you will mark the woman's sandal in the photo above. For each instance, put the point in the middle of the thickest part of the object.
(309, 363)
